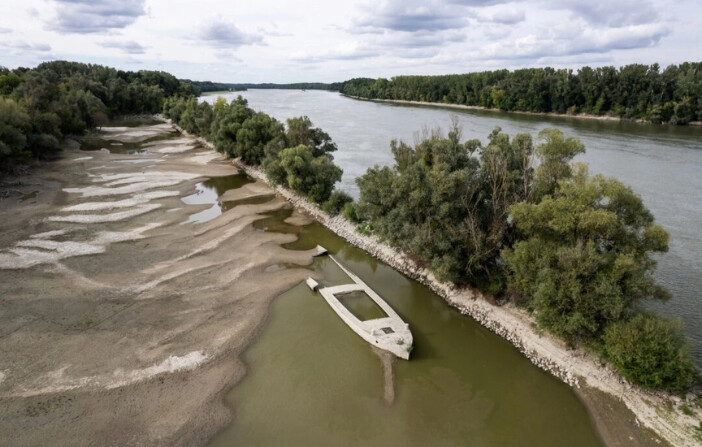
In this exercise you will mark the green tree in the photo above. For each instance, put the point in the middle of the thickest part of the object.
(227, 123)
(584, 258)
(14, 123)
(311, 176)
(255, 134)
(300, 131)
(651, 351)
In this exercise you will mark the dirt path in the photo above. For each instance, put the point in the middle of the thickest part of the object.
(119, 324)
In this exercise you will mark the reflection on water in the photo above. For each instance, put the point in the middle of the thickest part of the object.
(209, 191)
(312, 381)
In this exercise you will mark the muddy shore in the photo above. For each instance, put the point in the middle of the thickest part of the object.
(120, 324)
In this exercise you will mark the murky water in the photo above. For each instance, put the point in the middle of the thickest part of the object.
(312, 381)
(661, 163)
(208, 193)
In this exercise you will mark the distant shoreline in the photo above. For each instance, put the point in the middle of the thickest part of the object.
(583, 116)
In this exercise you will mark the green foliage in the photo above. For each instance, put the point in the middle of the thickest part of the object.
(584, 255)
(300, 131)
(255, 134)
(68, 97)
(311, 176)
(349, 212)
(651, 351)
(632, 91)
(14, 124)
(446, 201)
(337, 202)
(226, 124)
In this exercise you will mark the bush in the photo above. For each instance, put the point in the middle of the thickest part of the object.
(349, 212)
(650, 350)
(311, 176)
(337, 201)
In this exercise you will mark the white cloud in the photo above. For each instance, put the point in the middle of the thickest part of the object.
(273, 41)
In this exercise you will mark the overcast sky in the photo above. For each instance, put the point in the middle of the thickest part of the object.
(332, 40)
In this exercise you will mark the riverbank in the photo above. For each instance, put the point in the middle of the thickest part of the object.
(584, 116)
(599, 385)
(120, 322)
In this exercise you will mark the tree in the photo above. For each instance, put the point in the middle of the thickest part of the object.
(651, 351)
(14, 124)
(584, 258)
(311, 176)
(555, 154)
(227, 123)
(300, 131)
(255, 134)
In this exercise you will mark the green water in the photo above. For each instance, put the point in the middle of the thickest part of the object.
(312, 381)
(361, 305)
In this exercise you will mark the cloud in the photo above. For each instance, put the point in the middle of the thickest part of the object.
(586, 41)
(5, 30)
(614, 13)
(507, 17)
(409, 16)
(221, 34)
(349, 51)
(480, 3)
(19, 46)
(129, 47)
(95, 16)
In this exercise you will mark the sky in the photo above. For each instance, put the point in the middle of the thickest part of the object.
(332, 40)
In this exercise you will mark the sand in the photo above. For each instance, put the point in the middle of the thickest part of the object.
(119, 324)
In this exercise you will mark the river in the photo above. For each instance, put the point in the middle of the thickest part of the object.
(312, 381)
(663, 164)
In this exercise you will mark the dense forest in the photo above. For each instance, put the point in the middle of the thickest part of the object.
(39, 106)
(298, 157)
(209, 86)
(673, 95)
(519, 220)
(335, 86)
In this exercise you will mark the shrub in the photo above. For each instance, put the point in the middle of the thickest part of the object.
(650, 350)
(336, 202)
(349, 212)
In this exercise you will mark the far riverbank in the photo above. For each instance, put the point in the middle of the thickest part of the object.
(583, 116)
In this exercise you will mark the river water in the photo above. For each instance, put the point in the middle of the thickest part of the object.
(663, 164)
(312, 382)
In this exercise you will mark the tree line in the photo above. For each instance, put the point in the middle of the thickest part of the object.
(518, 220)
(209, 86)
(672, 95)
(297, 156)
(39, 106)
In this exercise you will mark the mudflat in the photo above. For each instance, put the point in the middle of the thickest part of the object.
(120, 322)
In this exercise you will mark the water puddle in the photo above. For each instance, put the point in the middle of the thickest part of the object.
(209, 191)
(96, 143)
(311, 380)
(141, 160)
